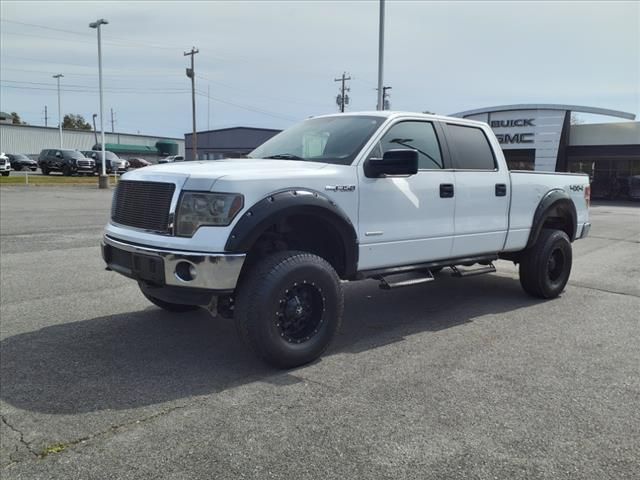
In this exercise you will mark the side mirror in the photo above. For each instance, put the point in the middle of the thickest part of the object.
(393, 162)
(59, 155)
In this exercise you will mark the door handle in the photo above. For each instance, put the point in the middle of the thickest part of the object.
(501, 190)
(446, 190)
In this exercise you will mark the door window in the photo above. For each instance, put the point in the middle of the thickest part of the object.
(471, 148)
(419, 136)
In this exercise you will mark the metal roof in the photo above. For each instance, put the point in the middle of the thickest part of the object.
(548, 106)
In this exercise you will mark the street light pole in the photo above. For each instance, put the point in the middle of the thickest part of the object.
(58, 77)
(103, 180)
(380, 105)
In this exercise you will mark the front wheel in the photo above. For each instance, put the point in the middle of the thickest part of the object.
(289, 307)
(545, 268)
(66, 171)
(5, 174)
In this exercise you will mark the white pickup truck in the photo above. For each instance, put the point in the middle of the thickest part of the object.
(269, 240)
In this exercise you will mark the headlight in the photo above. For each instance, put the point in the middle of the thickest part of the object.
(198, 208)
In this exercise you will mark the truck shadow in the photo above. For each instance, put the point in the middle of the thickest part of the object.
(148, 357)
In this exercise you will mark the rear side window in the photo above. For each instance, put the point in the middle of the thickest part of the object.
(471, 148)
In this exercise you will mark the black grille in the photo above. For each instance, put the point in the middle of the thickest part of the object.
(143, 204)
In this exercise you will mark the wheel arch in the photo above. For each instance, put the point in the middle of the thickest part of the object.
(309, 208)
(555, 210)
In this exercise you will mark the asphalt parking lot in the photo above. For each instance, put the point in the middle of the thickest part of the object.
(460, 378)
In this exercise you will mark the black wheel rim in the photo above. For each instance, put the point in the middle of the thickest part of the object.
(555, 265)
(300, 312)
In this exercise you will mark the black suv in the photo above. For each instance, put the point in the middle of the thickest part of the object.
(113, 163)
(66, 161)
(19, 161)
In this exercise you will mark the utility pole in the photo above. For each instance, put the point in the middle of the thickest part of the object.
(46, 118)
(343, 98)
(385, 98)
(58, 77)
(192, 75)
(112, 122)
(380, 105)
(208, 107)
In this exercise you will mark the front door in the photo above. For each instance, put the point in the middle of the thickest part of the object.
(407, 219)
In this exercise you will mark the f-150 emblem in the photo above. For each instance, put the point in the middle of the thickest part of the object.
(340, 188)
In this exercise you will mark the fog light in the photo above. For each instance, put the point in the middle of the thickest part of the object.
(186, 271)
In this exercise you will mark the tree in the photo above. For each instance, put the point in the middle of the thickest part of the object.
(75, 122)
(16, 119)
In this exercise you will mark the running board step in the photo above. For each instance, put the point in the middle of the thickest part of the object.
(405, 279)
(470, 272)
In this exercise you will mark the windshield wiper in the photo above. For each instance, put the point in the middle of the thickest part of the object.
(285, 156)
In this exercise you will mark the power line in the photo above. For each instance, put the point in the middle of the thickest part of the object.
(247, 107)
(129, 42)
(95, 91)
(288, 99)
(123, 74)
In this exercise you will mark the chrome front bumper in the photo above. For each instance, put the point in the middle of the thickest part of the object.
(210, 271)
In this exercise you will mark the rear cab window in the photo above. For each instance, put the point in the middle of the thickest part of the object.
(470, 148)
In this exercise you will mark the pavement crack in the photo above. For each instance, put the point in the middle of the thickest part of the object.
(588, 287)
(26, 444)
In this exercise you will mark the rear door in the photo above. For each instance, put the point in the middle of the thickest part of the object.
(481, 192)
(407, 219)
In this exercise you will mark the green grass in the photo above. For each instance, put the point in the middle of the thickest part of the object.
(51, 180)
(55, 448)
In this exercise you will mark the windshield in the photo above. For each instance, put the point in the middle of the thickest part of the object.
(329, 140)
(20, 156)
(73, 154)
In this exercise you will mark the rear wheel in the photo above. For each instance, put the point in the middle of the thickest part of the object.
(289, 307)
(545, 268)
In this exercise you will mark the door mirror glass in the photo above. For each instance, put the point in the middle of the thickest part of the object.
(58, 154)
(393, 162)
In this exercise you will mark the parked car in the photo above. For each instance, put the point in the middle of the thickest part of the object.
(389, 196)
(171, 159)
(66, 161)
(113, 163)
(138, 162)
(634, 187)
(20, 161)
(5, 165)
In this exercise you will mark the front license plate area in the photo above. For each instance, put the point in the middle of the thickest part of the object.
(135, 265)
(146, 267)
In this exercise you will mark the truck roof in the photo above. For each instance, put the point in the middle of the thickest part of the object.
(400, 114)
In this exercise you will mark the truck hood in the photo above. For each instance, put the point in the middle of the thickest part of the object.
(201, 175)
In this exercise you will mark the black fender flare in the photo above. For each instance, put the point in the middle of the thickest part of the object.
(277, 206)
(556, 203)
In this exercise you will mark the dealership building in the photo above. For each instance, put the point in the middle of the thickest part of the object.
(543, 137)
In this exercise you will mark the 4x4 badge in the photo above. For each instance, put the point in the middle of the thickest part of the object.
(340, 188)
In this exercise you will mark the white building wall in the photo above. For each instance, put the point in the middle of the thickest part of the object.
(31, 140)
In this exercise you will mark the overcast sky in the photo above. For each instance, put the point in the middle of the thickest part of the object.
(270, 64)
